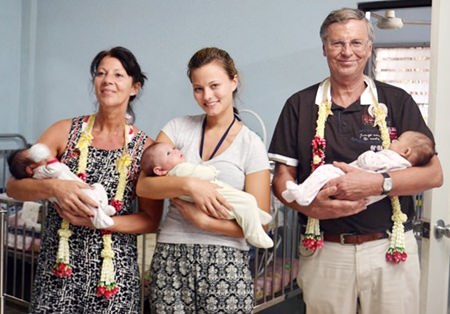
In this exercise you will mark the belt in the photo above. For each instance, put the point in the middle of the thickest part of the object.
(350, 238)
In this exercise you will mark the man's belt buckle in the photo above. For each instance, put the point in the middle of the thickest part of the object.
(342, 237)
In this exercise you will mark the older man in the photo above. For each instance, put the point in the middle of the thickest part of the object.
(335, 121)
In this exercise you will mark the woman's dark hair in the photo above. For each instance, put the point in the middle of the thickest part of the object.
(129, 63)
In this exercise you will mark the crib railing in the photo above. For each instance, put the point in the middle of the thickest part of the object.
(274, 269)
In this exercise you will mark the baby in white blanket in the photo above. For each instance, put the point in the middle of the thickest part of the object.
(35, 162)
(410, 149)
(245, 208)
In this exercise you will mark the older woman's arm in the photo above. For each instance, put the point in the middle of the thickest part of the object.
(69, 194)
(145, 221)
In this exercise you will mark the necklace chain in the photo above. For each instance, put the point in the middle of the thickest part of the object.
(221, 140)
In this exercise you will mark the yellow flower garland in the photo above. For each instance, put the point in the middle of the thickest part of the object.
(396, 252)
(312, 240)
(107, 286)
(62, 267)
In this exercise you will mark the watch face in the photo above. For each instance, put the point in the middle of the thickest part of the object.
(387, 185)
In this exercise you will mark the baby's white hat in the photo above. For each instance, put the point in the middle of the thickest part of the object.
(39, 152)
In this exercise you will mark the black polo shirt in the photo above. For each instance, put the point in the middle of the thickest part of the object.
(348, 132)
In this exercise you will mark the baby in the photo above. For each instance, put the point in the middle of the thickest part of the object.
(35, 162)
(410, 149)
(163, 159)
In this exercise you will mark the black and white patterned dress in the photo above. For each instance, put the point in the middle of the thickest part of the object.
(77, 294)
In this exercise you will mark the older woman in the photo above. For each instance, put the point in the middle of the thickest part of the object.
(82, 269)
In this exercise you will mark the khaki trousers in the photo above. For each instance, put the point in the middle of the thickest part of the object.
(349, 279)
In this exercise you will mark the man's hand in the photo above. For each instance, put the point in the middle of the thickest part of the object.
(356, 184)
(326, 206)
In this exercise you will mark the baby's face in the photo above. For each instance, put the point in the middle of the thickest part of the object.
(169, 156)
(400, 145)
(30, 168)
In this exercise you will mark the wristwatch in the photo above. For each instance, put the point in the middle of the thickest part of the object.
(387, 183)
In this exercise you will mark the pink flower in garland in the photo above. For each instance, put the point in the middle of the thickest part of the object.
(83, 176)
(62, 270)
(107, 291)
(312, 243)
(116, 204)
(101, 290)
(318, 150)
(104, 232)
(396, 255)
(318, 143)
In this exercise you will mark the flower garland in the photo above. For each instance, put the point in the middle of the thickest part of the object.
(62, 267)
(396, 252)
(312, 239)
(106, 287)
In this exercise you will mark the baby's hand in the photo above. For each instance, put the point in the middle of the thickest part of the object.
(101, 220)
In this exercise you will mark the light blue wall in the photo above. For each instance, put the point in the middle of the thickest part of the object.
(50, 44)
(10, 37)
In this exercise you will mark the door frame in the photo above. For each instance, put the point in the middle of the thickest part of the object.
(435, 256)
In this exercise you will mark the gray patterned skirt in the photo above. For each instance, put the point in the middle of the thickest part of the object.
(200, 279)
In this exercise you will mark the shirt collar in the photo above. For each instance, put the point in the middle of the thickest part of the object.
(365, 98)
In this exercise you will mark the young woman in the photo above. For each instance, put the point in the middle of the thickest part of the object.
(200, 264)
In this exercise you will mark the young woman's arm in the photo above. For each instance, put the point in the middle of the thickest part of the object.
(203, 193)
(257, 184)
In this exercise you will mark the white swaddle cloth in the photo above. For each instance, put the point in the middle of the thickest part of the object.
(57, 170)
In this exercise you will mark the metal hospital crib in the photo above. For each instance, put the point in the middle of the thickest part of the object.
(274, 269)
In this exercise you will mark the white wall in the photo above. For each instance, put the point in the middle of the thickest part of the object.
(45, 70)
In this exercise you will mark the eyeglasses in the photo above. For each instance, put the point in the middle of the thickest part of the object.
(339, 45)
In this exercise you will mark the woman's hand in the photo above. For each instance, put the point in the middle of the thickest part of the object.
(191, 213)
(207, 198)
(73, 219)
(71, 199)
